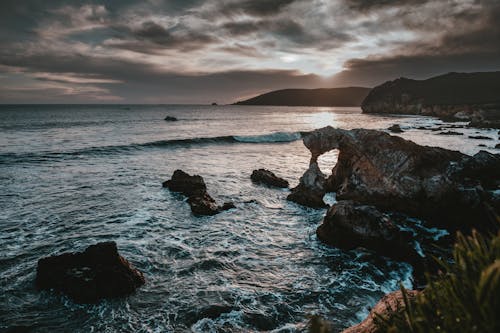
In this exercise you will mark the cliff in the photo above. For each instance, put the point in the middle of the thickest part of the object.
(350, 96)
(471, 97)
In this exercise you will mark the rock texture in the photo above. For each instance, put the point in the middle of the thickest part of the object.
(348, 225)
(311, 188)
(395, 129)
(263, 176)
(393, 174)
(350, 96)
(98, 272)
(195, 189)
(455, 96)
(389, 304)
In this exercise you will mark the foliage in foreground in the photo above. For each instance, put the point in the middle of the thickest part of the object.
(465, 298)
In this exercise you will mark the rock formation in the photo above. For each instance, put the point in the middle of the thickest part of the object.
(389, 304)
(195, 189)
(263, 176)
(98, 272)
(311, 188)
(455, 96)
(348, 226)
(393, 174)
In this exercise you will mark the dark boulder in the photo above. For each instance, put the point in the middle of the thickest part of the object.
(348, 225)
(195, 189)
(170, 118)
(263, 176)
(98, 272)
(395, 129)
(186, 184)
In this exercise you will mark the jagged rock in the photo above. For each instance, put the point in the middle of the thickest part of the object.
(195, 189)
(348, 225)
(394, 174)
(389, 304)
(98, 272)
(311, 188)
(395, 129)
(170, 118)
(263, 176)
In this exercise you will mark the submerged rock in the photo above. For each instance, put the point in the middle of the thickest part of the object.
(263, 176)
(393, 174)
(170, 118)
(98, 272)
(450, 133)
(389, 304)
(395, 129)
(480, 137)
(348, 225)
(195, 189)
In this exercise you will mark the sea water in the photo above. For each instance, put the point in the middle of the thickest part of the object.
(74, 175)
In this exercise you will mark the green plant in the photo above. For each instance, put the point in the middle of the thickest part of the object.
(464, 298)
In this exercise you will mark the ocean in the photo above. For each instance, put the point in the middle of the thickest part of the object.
(74, 175)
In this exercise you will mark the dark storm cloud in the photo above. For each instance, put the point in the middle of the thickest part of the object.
(178, 37)
(255, 7)
(366, 5)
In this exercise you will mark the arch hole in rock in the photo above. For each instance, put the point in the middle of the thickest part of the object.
(327, 161)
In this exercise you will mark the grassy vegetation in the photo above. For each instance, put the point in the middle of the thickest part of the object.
(464, 298)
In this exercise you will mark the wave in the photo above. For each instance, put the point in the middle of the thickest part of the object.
(278, 137)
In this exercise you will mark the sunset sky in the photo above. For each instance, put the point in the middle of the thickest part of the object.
(193, 51)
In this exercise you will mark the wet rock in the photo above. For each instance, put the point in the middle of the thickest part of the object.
(311, 188)
(450, 133)
(348, 225)
(393, 174)
(497, 146)
(263, 176)
(390, 303)
(98, 272)
(480, 137)
(195, 189)
(395, 129)
(170, 118)
(485, 123)
(483, 166)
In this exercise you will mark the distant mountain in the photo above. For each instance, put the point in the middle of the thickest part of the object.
(349, 96)
(453, 96)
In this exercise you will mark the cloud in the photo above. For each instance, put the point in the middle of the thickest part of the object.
(255, 7)
(200, 51)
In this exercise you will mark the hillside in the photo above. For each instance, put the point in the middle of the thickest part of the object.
(459, 96)
(349, 96)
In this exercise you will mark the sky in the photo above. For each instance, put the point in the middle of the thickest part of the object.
(195, 51)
